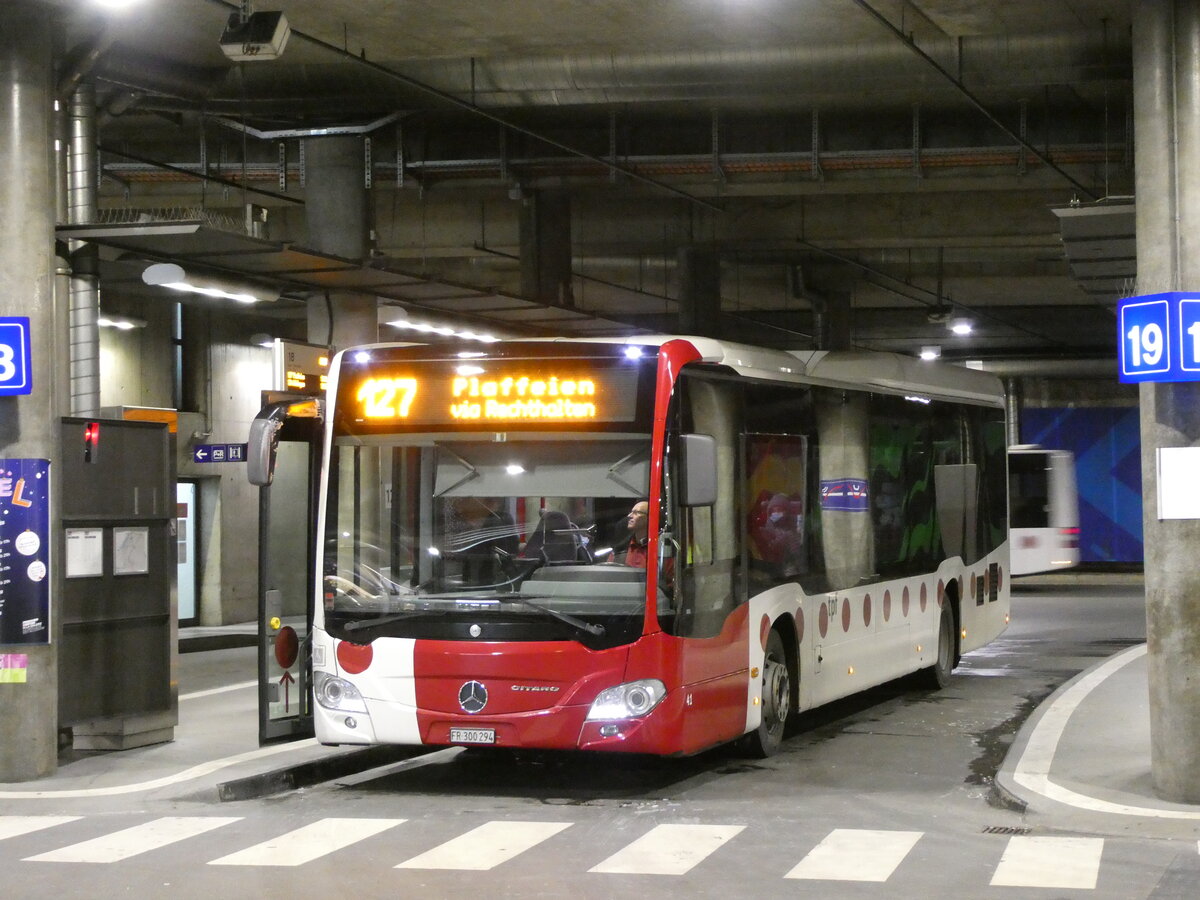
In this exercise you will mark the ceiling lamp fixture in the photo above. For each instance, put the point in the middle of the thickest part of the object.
(961, 326)
(931, 352)
(250, 36)
(170, 275)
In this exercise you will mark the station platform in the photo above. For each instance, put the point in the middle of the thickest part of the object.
(1079, 763)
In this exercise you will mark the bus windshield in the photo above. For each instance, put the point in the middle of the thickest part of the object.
(429, 534)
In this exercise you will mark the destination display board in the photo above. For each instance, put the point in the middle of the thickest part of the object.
(524, 393)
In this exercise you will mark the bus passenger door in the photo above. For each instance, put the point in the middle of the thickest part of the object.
(287, 520)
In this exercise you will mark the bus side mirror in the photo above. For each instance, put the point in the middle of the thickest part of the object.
(263, 441)
(260, 450)
(699, 469)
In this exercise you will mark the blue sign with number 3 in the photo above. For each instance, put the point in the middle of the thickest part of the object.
(1159, 337)
(15, 370)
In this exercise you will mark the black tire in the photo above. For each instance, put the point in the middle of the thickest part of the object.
(766, 740)
(937, 676)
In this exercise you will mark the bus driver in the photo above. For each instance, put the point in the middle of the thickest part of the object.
(638, 523)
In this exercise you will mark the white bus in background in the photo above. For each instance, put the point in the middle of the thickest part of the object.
(1043, 509)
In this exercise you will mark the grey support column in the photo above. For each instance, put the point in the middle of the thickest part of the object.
(831, 320)
(699, 292)
(545, 235)
(29, 423)
(337, 207)
(1166, 36)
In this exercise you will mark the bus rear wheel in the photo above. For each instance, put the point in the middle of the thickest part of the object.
(938, 675)
(766, 740)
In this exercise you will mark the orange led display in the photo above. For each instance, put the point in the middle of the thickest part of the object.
(524, 395)
(387, 398)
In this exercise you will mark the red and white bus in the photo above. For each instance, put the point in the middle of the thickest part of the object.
(1043, 509)
(818, 523)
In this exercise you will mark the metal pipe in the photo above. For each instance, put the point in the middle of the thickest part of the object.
(84, 299)
(972, 99)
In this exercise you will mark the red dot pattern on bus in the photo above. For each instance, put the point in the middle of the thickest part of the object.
(846, 615)
(354, 658)
(887, 605)
(823, 620)
(764, 629)
(800, 625)
(904, 601)
(867, 610)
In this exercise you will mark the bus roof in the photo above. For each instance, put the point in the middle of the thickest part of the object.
(889, 372)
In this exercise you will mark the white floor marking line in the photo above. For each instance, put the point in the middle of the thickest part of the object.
(668, 850)
(1050, 862)
(851, 854)
(486, 847)
(11, 826)
(132, 841)
(308, 843)
(1033, 768)
(195, 695)
(186, 775)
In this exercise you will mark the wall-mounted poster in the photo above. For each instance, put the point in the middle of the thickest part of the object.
(24, 551)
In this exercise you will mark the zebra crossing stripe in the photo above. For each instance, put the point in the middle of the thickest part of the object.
(132, 841)
(308, 843)
(852, 854)
(485, 847)
(1050, 862)
(11, 826)
(669, 850)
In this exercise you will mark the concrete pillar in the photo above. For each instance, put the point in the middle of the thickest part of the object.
(1166, 54)
(28, 423)
(699, 292)
(545, 235)
(831, 321)
(336, 203)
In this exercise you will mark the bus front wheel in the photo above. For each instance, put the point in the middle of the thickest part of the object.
(767, 738)
(938, 675)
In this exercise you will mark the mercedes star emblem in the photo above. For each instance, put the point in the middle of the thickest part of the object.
(472, 697)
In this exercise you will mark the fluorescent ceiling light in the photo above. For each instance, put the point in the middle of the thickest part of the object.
(444, 330)
(124, 323)
(172, 276)
(930, 352)
(960, 326)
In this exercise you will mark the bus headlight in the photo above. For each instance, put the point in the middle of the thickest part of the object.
(337, 693)
(627, 701)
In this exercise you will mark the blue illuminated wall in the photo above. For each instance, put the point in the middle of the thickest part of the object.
(1106, 442)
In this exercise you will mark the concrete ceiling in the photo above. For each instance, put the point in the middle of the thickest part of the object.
(905, 157)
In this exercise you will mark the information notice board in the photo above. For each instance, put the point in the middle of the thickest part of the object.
(24, 551)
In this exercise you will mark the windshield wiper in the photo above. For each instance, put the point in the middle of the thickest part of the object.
(589, 627)
(360, 624)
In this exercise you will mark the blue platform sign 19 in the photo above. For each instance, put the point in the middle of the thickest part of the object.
(1159, 337)
(15, 369)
